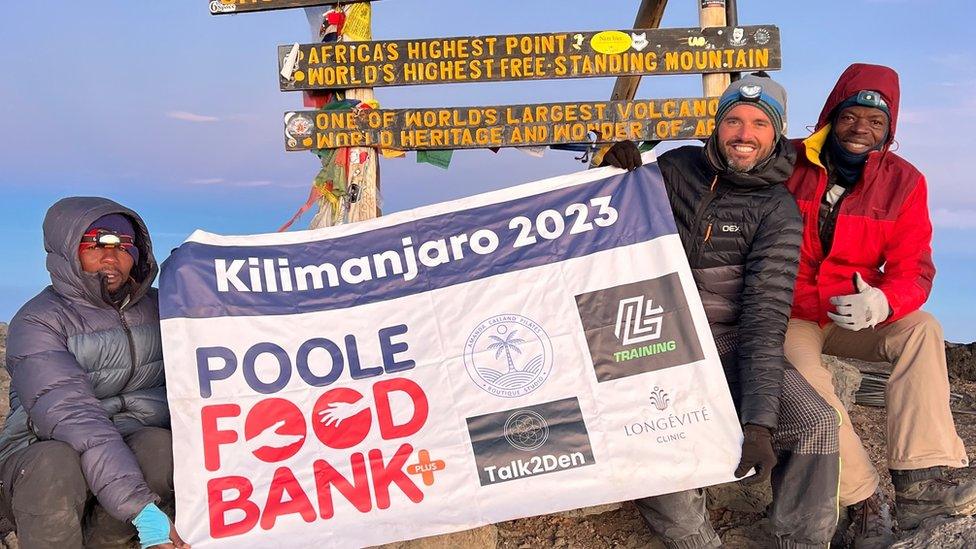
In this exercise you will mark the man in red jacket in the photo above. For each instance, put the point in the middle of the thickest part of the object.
(865, 270)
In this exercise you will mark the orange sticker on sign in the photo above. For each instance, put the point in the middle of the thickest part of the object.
(611, 42)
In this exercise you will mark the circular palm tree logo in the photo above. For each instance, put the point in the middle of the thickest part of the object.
(508, 355)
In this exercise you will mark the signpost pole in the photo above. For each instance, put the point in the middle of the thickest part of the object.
(362, 200)
(649, 16)
(711, 13)
(732, 20)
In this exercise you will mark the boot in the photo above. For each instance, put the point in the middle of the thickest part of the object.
(871, 525)
(924, 493)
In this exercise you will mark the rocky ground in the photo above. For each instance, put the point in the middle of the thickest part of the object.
(736, 513)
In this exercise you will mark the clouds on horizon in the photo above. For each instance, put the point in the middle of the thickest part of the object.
(954, 219)
(187, 116)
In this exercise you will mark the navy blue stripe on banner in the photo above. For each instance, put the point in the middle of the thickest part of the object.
(206, 281)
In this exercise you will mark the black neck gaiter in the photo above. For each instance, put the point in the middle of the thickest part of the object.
(117, 298)
(846, 165)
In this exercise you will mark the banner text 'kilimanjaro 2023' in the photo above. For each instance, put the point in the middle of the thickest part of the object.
(505, 355)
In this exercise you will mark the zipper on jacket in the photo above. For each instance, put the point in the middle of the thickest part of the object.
(132, 347)
(699, 214)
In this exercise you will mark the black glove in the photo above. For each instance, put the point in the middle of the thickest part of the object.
(757, 451)
(623, 154)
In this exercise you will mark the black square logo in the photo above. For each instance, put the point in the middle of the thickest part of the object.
(639, 327)
(529, 441)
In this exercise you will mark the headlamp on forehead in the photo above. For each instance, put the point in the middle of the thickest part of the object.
(103, 238)
(750, 93)
(870, 98)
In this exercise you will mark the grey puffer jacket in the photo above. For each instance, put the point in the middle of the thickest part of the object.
(83, 372)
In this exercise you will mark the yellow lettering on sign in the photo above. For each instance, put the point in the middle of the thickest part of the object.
(704, 128)
(516, 137)
(671, 61)
(535, 45)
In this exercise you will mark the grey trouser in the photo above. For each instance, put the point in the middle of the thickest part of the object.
(804, 480)
(44, 493)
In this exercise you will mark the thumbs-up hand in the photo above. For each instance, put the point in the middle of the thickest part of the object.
(865, 309)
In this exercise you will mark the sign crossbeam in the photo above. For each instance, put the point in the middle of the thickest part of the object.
(226, 7)
(502, 126)
(528, 57)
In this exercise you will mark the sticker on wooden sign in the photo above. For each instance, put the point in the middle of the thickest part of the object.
(220, 6)
(611, 42)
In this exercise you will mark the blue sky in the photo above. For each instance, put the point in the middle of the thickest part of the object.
(176, 113)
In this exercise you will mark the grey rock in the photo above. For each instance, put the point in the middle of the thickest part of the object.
(740, 497)
(755, 535)
(941, 532)
(847, 378)
(485, 537)
(961, 359)
(588, 511)
(4, 378)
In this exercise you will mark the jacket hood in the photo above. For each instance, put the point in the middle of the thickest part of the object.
(65, 224)
(859, 77)
(773, 171)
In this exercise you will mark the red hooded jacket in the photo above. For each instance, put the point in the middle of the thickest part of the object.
(883, 229)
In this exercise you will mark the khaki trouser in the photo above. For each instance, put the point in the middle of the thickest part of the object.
(920, 429)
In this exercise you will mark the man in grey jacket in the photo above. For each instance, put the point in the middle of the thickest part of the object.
(86, 453)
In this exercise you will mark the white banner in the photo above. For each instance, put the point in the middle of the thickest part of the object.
(516, 353)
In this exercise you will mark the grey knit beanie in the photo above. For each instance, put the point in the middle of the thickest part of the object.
(760, 91)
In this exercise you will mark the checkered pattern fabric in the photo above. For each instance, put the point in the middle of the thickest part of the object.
(807, 424)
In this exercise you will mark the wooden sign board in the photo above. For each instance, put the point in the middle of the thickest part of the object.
(502, 126)
(529, 57)
(224, 7)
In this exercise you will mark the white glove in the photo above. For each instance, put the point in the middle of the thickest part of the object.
(865, 309)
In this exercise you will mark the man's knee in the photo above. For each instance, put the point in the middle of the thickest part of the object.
(803, 345)
(53, 467)
(921, 324)
(821, 423)
(49, 482)
(676, 516)
(153, 448)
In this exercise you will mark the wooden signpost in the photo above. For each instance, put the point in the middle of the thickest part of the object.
(354, 64)
(501, 126)
(528, 57)
(711, 13)
(226, 7)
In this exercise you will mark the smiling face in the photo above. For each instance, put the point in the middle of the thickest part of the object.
(114, 264)
(859, 129)
(746, 137)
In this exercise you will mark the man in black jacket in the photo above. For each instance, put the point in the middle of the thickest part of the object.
(741, 230)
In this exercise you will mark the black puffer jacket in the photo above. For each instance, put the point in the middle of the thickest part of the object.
(742, 234)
